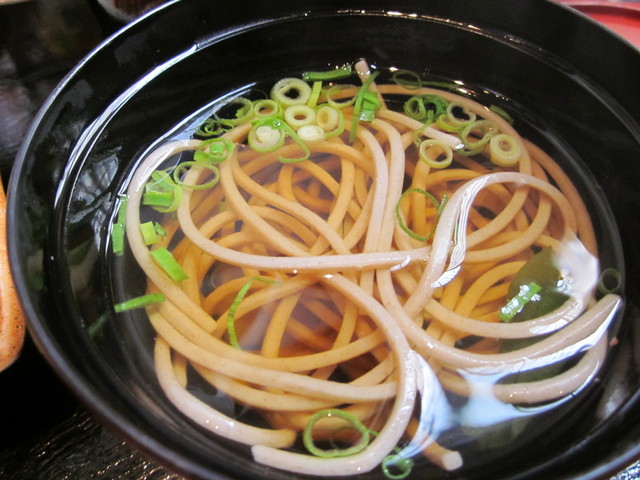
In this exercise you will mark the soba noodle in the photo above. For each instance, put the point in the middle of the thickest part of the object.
(349, 280)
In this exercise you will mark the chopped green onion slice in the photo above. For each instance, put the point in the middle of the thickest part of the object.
(610, 281)
(445, 124)
(425, 108)
(165, 260)
(432, 149)
(158, 199)
(311, 133)
(316, 89)
(439, 207)
(370, 105)
(160, 231)
(266, 108)
(265, 138)
(118, 228)
(484, 129)
(525, 293)
(504, 150)
(339, 104)
(211, 127)
(407, 79)
(307, 434)
(96, 327)
(358, 105)
(162, 193)
(397, 463)
(149, 233)
(268, 134)
(306, 153)
(231, 315)
(215, 150)
(163, 201)
(299, 115)
(291, 91)
(459, 116)
(334, 74)
(243, 113)
(139, 302)
(179, 171)
(330, 119)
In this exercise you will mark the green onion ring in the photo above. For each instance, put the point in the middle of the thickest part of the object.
(485, 128)
(608, 275)
(265, 138)
(340, 104)
(307, 434)
(210, 128)
(439, 206)
(243, 114)
(290, 91)
(335, 74)
(266, 107)
(407, 79)
(431, 149)
(299, 115)
(505, 151)
(311, 133)
(454, 120)
(330, 119)
(404, 466)
(214, 150)
(180, 170)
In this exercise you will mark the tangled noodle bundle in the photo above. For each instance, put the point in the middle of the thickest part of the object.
(336, 284)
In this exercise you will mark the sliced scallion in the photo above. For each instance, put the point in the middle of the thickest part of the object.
(180, 170)
(610, 281)
(290, 91)
(149, 233)
(397, 467)
(327, 75)
(166, 261)
(139, 302)
(297, 116)
(242, 114)
(118, 228)
(425, 108)
(354, 422)
(211, 127)
(407, 79)
(475, 135)
(316, 89)
(431, 150)
(162, 193)
(504, 150)
(333, 91)
(215, 150)
(231, 314)
(438, 205)
(330, 119)
(266, 107)
(360, 105)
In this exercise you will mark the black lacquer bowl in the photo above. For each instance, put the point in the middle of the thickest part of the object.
(574, 83)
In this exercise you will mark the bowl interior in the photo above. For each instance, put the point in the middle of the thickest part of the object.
(162, 75)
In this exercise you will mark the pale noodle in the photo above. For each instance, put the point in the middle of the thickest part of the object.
(345, 289)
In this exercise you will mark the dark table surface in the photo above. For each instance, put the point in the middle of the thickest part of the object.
(45, 433)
